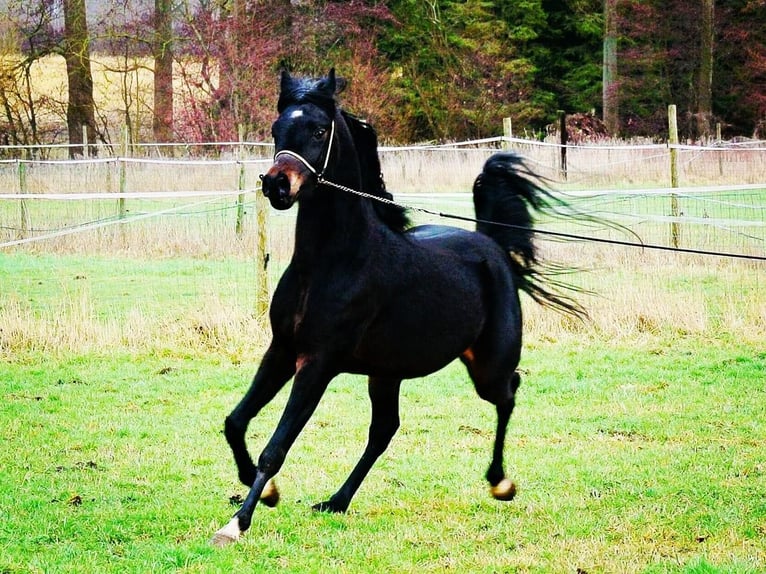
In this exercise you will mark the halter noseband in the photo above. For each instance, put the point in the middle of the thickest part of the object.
(299, 157)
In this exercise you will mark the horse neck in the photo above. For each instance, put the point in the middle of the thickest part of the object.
(334, 224)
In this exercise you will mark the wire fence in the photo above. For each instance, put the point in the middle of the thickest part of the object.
(161, 235)
(165, 205)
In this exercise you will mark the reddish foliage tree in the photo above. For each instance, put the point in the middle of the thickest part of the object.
(346, 35)
(218, 96)
(233, 56)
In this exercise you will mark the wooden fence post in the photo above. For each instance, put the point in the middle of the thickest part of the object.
(675, 228)
(240, 182)
(85, 150)
(121, 209)
(24, 226)
(718, 140)
(507, 133)
(262, 287)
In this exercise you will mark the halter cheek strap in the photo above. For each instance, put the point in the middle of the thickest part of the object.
(304, 161)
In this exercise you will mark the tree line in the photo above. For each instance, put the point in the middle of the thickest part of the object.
(419, 69)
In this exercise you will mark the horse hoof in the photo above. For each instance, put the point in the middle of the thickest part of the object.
(270, 494)
(328, 506)
(229, 534)
(504, 490)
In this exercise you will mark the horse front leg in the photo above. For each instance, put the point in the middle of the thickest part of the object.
(309, 385)
(384, 396)
(276, 368)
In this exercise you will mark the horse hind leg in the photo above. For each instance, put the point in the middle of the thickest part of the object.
(499, 388)
(502, 487)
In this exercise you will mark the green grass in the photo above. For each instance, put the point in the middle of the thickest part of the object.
(637, 442)
(116, 285)
(629, 459)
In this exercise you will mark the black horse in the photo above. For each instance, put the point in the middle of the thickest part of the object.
(364, 294)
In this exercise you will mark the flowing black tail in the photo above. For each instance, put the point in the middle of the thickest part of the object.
(503, 193)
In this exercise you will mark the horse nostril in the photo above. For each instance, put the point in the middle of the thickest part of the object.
(267, 184)
(277, 185)
(283, 184)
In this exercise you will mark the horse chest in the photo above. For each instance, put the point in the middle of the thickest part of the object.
(329, 309)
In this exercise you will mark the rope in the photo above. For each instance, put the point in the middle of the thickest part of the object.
(571, 236)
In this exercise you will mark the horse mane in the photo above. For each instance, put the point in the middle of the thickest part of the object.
(366, 143)
(322, 93)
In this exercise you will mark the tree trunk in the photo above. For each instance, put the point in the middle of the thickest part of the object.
(80, 108)
(238, 13)
(610, 94)
(162, 121)
(705, 72)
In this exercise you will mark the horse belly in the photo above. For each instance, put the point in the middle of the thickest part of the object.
(416, 341)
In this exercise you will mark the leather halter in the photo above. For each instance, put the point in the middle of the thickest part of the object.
(299, 157)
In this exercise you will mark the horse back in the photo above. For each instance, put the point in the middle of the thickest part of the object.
(467, 246)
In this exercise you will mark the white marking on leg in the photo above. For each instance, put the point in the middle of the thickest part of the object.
(504, 490)
(228, 534)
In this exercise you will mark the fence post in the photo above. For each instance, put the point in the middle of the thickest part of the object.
(85, 150)
(675, 228)
(507, 133)
(564, 137)
(719, 140)
(121, 210)
(240, 181)
(262, 249)
(24, 227)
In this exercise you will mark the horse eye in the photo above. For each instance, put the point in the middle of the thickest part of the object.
(319, 133)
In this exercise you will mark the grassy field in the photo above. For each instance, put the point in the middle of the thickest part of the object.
(630, 458)
(637, 442)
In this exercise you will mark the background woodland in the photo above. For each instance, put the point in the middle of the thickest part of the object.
(420, 70)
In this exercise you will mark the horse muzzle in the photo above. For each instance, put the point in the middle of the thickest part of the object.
(284, 181)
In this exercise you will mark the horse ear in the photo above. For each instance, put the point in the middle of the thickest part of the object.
(339, 83)
(327, 84)
(286, 81)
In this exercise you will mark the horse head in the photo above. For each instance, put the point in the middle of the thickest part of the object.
(304, 138)
(318, 143)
